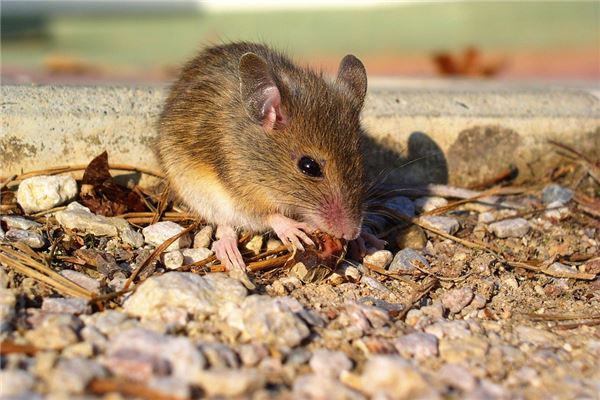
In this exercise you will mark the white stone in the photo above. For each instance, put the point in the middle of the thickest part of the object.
(393, 377)
(515, 227)
(486, 217)
(183, 290)
(172, 259)
(31, 239)
(317, 387)
(80, 218)
(193, 255)
(429, 203)
(221, 382)
(41, 193)
(157, 234)
(203, 237)
(81, 279)
(273, 244)
(407, 260)
(15, 383)
(70, 305)
(380, 258)
(556, 211)
(17, 222)
(255, 244)
(456, 299)
(446, 224)
(419, 345)
(72, 375)
(329, 363)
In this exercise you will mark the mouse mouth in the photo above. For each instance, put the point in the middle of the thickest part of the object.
(339, 226)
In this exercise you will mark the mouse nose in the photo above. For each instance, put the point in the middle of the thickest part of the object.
(351, 234)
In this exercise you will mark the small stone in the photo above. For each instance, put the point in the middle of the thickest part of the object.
(16, 222)
(203, 238)
(465, 349)
(82, 280)
(109, 322)
(298, 357)
(219, 355)
(510, 282)
(70, 305)
(515, 227)
(535, 336)
(449, 329)
(373, 283)
(556, 193)
(362, 317)
(267, 320)
(273, 244)
(457, 376)
(80, 218)
(412, 237)
(446, 224)
(157, 234)
(55, 332)
(556, 211)
(393, 377)
(300, 271)
(457, 299)
(141, 354)
(255, 244)
(419, 345)
(31, 239)
(72, 375)
(406, 259)
(317, 387)
(329, 363)
(380, 258)
(252, 353)
(562, 269)
(191, 256)
(43, 192)
(486, 217)
(172, 259)
(8, 301)
(351, 273)
(402, 205)
(220, 382)
(16, 384)
(429, 203)
(186, 291)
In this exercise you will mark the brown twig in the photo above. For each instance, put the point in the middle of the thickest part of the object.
(162, 205)
(128, 388)
(10, 347)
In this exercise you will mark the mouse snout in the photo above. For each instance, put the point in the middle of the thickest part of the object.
(339, 222)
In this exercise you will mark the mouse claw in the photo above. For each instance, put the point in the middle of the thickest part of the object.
(291, 232)
(226, 249)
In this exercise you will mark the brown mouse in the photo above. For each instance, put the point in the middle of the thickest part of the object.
(249, 140)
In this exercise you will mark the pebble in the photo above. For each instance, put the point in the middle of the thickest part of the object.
(141, 354)
(70, 305)
(252, 353)
(402, 205)
(556, 193)
(17, 222)
(393, 377)
(156, 234)
(54, 332)
(16, 384)
(329, 363)
(81, 279)
(40, 193)
(109, 322)
(172, 259)
(511, 282)
(380, 258)
(317, 387)
(80, 218)
(31, 239)
(197, 254)
(297, 357)
(373, 283)
(486, 217)
(562, 269)
(535, 336)
(203, 238)
(363, 317)
(406, 259)
(189, 292)
(465, 349)
(412, 237)
(429, 203)
(556, 211)
(419, 345)
(255, 244)
(456, 299)
(273, 244)
(446, 224)
(515, 227)
(267, 320)
(449, 329)
(72, 375)
(220, 382)
(8, 301)
(457, 376)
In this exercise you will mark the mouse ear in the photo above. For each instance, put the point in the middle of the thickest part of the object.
(260, 94)
(353, 75)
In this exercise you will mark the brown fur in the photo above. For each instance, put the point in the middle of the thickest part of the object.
(206, 136)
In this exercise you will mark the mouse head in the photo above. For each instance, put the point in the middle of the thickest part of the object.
(310, 164)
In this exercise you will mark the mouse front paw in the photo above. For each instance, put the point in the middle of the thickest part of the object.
(291, 232)
(226, 249)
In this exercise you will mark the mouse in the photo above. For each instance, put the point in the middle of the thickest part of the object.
(251, 141)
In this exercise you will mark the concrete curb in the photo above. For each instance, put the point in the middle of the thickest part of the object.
(444, 131)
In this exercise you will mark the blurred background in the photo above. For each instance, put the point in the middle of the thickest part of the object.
(134, 41)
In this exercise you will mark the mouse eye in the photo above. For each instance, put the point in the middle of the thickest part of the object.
(310, 167)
